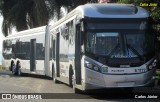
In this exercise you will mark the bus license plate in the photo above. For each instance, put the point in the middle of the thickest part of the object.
(126, 84)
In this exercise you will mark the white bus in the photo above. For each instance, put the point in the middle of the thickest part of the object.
(94, 46)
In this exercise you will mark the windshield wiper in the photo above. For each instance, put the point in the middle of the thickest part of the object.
(135, 51)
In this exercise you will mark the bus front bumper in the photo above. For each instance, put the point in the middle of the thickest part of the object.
(95, 80)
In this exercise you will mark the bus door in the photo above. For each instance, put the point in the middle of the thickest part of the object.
(33, 55)
(57, 54)
(78, 54)
(53, 44)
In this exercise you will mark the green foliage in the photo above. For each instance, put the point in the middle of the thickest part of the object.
(24, 14)
(154, 11)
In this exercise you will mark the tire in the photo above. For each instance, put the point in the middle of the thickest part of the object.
(13, 67)
(19, 73)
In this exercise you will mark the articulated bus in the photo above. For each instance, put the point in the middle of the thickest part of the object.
(95, 46)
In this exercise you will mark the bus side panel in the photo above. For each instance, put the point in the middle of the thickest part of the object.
(29, 51)
(47, 52)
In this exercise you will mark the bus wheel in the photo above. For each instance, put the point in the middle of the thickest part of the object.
(10, 68)
(14, 69)
(19, 73)
(54, 77)
(70, 77)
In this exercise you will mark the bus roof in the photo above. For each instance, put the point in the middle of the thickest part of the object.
(104, 10)
(27, 32)
(111, 10)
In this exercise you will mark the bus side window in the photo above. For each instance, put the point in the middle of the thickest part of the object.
(71, 33)
(8, 44)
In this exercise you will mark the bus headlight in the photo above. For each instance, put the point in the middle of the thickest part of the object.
(92, 66)
(89, 65)
(95, 68)
(152, 65)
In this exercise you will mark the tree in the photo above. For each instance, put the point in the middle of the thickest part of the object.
(153, 10)
(25, 14)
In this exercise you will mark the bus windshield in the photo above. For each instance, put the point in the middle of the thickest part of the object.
(112, 44)
(122, 40)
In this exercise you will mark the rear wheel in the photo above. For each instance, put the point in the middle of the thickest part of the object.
(13, 67)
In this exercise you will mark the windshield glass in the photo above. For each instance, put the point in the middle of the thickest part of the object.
(115, 44)
(119, 41)
(119, 38)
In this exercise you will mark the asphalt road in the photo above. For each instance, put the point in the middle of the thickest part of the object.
(35, 84)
